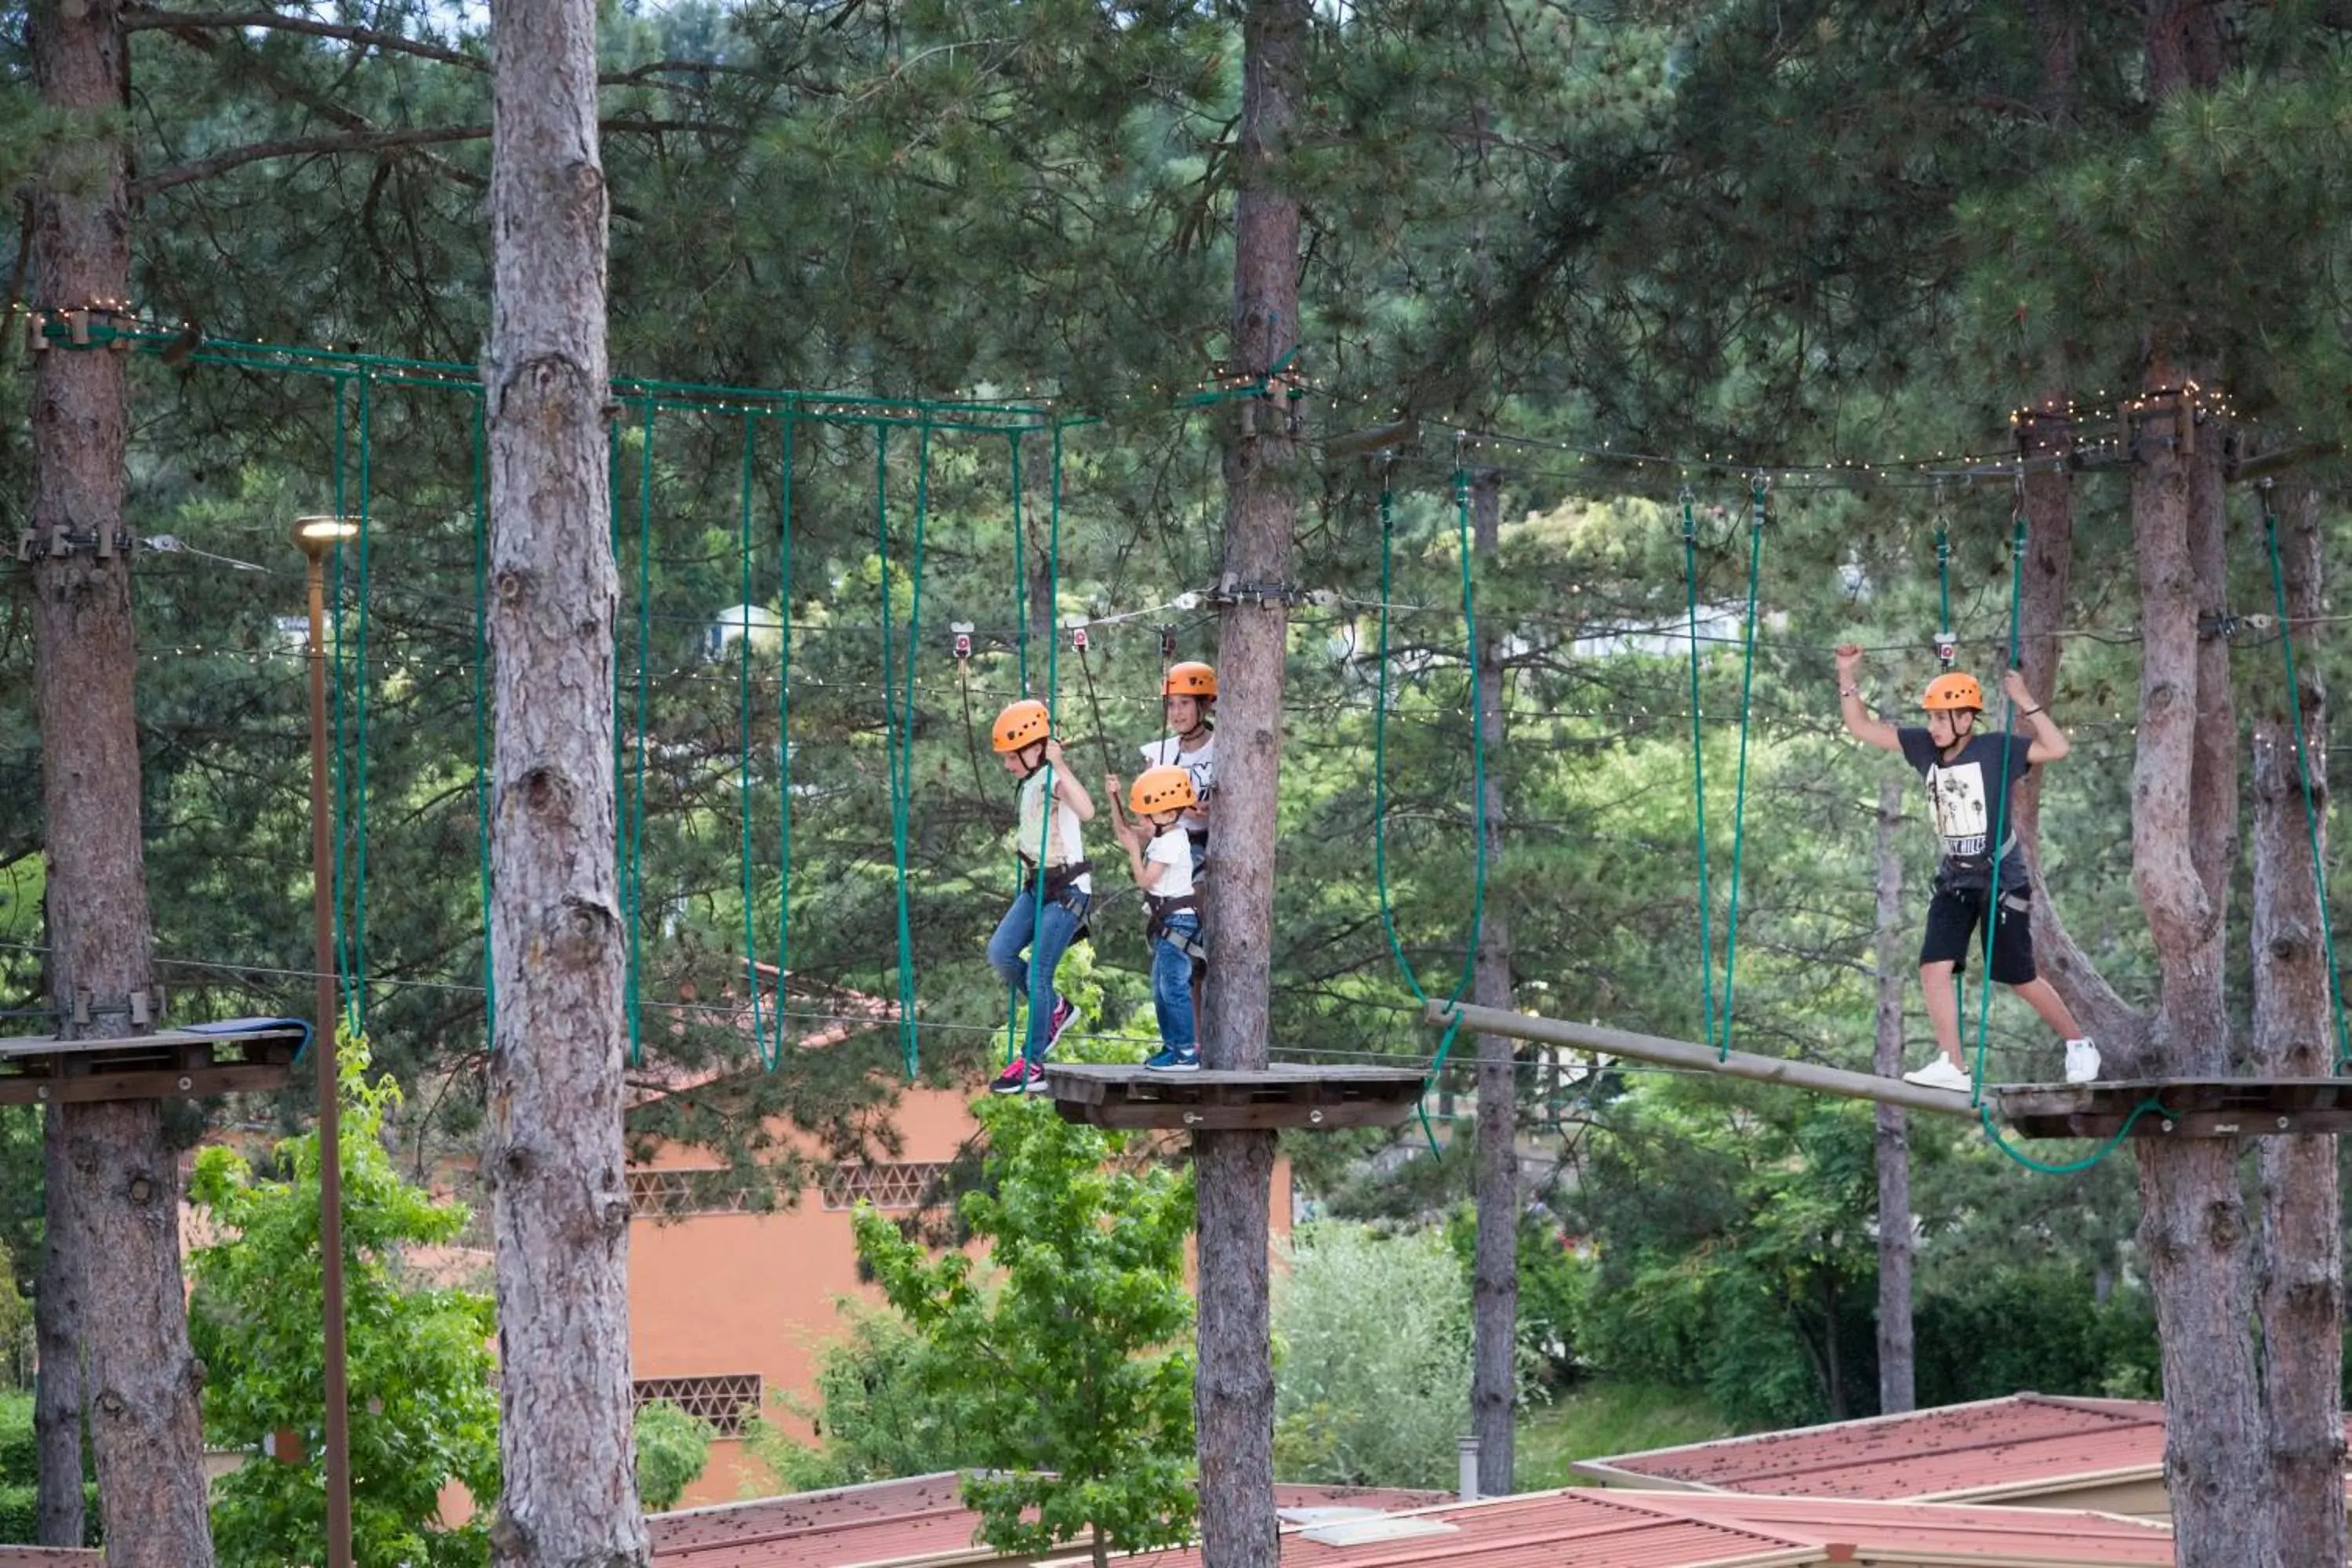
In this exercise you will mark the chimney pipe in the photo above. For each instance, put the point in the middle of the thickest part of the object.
(1468, 1449)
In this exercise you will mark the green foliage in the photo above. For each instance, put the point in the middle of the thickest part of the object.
(883, 1408)
(1372, 1357)
(1062, 1360)
(20, 1468)
(20, 1453)
(424, 1411)
(1604, 1415)
(16, 1329)
(672, 1449)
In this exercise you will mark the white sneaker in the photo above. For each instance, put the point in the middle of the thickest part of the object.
(2081, 1060)
(1940, 1074)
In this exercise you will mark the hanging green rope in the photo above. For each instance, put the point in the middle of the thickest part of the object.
(481, 701)
(634, 894)
(1478, 774)
(743, 740)
(356, 1005)
(1739, 790)
(2065, 1167)
(1020, 570)
(783, 734)
(1698, 767)
(2303, 776)
(2000, 798)
(1052, 716)
(899, 722)
(339, 674)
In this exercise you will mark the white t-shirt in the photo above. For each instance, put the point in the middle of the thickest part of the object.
(1064, 848)
(1168, 752)
(1172, 853)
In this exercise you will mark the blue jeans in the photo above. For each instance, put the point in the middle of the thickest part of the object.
(1172, 981)
(1034, 974)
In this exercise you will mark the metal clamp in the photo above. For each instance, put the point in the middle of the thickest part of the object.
(33, 545)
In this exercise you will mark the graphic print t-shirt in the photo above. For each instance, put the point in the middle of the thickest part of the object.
(1964, 798)
(1168, 752)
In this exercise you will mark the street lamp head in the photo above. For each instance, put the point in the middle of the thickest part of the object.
(314, 536)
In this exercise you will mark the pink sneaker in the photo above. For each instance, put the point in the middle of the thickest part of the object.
(1013, 1079)
(1064, 1019)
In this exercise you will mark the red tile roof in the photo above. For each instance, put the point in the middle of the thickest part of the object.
(887, 1522)
(1594, 1529)
(2026, 1442)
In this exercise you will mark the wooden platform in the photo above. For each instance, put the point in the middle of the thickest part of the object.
(171, 1064)
(2190, 1107)
(1212, 1101)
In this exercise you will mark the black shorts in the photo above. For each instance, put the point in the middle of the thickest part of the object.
(1954, 917)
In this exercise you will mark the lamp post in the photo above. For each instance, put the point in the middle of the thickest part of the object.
(315, 536)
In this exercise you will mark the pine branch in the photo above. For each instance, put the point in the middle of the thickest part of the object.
(145, 19)
(361, 142)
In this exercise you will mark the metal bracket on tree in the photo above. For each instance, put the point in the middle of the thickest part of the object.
(140, 1008)
(33, 543)
(1264, 595)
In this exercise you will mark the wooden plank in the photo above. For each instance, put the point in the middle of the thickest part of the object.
(14, 1047)
(166, 1083)
(1135, 1097)
(2188, 1107)
(1140, 1115)
(1685, 1054)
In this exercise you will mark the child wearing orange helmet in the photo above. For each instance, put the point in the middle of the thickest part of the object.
(1967, 793)
(1188, 696)
(1022, 736)
(1163, 869)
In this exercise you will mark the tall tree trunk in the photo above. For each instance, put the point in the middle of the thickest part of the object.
(1233, 1383)
(58, 1338)
(2299, 1293)
(123, 1176)
(1897, 1353)
(1494, 1261)
(552, 1143)
(2195, 1233)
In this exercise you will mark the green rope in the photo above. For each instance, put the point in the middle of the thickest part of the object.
(902, 765)
(1739, 790)
(341, 750)
(1020, 570)
(2303, 774)
(1478, 781)
(1698, 769)
(784, 735)
(2001, 804)
(635, 895)
(1943, 585)
(481, 704)
(357, 1003)
(743, 735)
(1052, 718)
(2065, 1167)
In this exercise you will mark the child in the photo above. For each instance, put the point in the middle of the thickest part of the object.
(1163, 869)
(1022, 736)
(1966, 797)
(1187, 694)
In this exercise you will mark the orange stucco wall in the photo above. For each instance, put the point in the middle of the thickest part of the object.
(722, 1294)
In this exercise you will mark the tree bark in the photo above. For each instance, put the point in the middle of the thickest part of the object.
(2195, 1233)
(552, 1149)
(1494, 1260)
(1233, 1383)
(1897, 1353)
(2299, 1294)
(58, 1340)
(123, 1178)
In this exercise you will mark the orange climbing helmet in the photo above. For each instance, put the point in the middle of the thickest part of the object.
(1021, 725)
(1162, 788)
(1952, 690)
(1191, 679)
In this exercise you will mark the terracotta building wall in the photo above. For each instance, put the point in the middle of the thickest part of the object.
(727, 1295)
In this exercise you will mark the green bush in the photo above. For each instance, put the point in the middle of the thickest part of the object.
(2039, 1327)
(20, 1454)
(1372, 1358)
(672, 1449)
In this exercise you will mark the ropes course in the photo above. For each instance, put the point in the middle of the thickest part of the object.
(901, 555)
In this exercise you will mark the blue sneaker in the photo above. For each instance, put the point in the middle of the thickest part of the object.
(1169, 1059)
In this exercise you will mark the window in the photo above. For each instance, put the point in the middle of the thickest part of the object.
(729, 1402)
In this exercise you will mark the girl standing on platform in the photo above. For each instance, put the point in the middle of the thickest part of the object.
(1022, 736)
(1163, 869)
